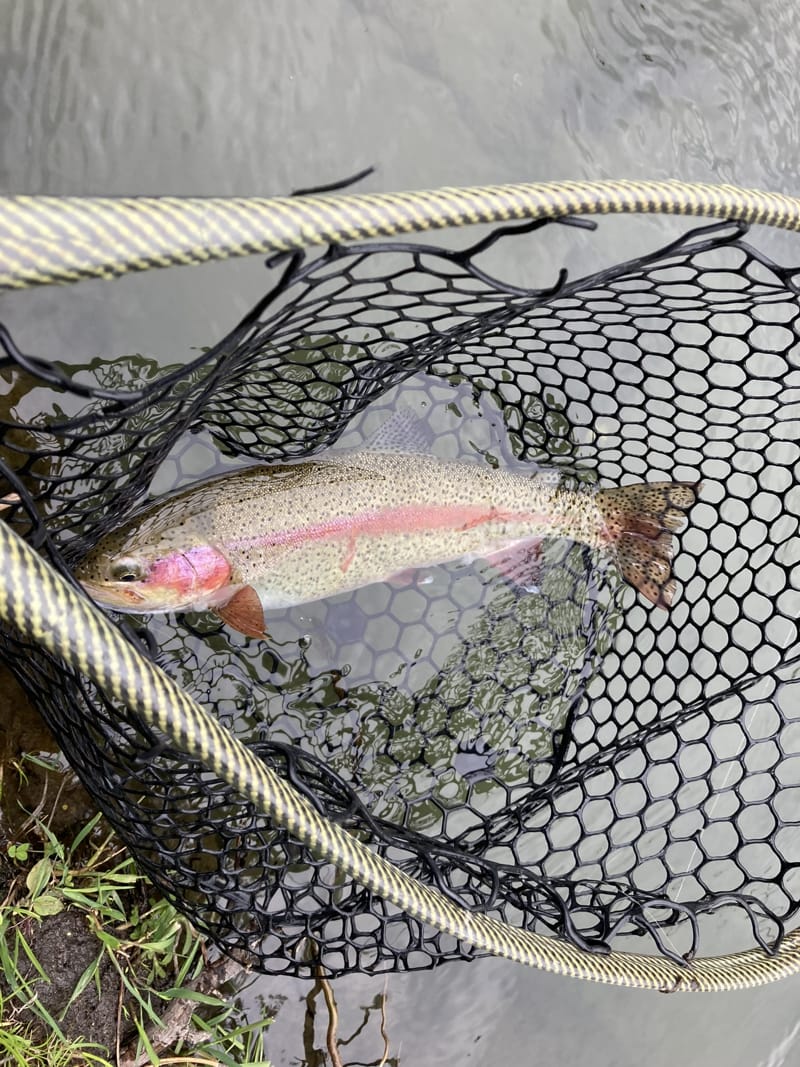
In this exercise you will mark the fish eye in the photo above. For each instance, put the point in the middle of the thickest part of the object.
(126, 570)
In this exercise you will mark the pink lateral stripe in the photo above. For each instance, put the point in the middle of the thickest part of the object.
(403, 519)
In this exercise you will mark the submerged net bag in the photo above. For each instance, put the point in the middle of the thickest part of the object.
(566, 759)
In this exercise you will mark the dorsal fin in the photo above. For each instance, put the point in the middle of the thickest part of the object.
(402, 432)
(548, 478)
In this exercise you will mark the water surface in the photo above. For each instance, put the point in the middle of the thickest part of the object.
(142, 97)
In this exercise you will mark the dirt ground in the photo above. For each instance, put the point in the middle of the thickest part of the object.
(65, 947)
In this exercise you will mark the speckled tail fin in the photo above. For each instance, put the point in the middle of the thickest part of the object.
(641, 520)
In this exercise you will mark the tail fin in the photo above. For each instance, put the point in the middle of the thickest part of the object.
(641, 520)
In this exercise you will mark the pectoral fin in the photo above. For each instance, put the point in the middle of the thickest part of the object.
(244, 613)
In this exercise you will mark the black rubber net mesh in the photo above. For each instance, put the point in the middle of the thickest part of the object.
(566, 758)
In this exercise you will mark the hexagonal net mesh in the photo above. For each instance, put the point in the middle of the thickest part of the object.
(566, 758)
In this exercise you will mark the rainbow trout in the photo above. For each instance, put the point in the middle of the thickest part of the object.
(274, 536)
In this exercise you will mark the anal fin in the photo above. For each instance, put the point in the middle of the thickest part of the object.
(243, 612)
(520, 565)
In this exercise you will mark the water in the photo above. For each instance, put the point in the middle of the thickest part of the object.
(103, 97)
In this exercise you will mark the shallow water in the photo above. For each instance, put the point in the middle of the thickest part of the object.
(112, 97)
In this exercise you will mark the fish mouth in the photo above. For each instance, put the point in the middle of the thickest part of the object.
(112, 597)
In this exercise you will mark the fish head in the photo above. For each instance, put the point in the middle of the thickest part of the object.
(142, 579)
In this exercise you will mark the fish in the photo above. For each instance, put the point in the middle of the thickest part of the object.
(277, 535)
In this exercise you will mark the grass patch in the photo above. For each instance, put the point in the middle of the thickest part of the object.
(97, 969)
